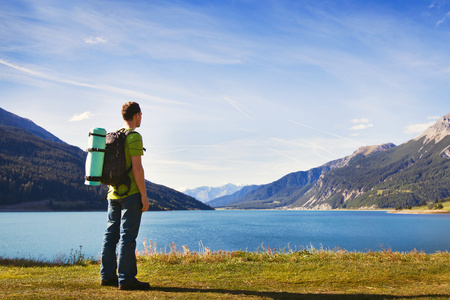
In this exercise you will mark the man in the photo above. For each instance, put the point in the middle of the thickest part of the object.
(124, 213)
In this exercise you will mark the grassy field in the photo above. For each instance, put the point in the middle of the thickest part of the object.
(446, 205)
(423, 209)
(268, 274)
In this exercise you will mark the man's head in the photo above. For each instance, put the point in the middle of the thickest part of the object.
(132, 112)
(129, 109)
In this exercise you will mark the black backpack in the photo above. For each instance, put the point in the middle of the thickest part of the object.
(115, 171)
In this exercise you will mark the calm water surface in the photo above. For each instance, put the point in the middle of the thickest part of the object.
(51, 235)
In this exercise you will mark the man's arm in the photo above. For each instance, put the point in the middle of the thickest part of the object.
(138, 172)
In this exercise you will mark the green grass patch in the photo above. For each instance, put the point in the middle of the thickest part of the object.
(445, 204)
(267, 274)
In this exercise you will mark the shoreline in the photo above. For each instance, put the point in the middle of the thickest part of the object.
(419, 212)
(41, 207)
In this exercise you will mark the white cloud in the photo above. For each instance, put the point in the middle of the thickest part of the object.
(361, 124)
(417, 128)
(83, 116)
(95, 40)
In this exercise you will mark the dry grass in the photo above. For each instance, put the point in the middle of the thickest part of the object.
(265, 274)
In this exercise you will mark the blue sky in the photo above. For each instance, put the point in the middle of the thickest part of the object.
(231, 91)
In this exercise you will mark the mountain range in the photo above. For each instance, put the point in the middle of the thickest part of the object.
(38, 171)
(382, 176)
(208, 193)
(41, 172)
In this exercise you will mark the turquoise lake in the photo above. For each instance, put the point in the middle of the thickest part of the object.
(49, 235)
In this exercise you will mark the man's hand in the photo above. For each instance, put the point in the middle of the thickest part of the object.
(145, 203)
(138, 172)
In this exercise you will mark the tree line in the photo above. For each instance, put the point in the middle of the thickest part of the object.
(33, 169)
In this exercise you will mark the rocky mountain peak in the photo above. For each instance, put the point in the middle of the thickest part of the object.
(366, 150)
(436, 132)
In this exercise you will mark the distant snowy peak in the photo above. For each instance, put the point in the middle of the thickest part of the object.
(207, 193)
(436, 132)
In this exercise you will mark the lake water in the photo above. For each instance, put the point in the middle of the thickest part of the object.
(49, 235)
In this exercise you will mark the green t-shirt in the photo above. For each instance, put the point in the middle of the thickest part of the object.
(133, 147)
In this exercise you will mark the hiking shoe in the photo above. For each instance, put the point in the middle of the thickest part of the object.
(110, 282)
(137, 285)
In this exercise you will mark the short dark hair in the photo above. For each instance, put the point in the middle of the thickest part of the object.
(129, 109)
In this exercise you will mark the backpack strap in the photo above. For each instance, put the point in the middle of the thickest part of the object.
(96, 134)
(95, 150)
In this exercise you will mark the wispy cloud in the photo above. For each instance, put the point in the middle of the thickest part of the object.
(190, 165)
(174, 32)
(301, 143)
(178, 31)
(127, 92)
(447, 15)
(235, 105)
(95, 40)
(23, 69)
(420, 127)
(284, 155)
(323, 131)
(417, 128)
(81, 117)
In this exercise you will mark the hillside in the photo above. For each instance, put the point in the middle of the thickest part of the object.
(383, 176)
(33, 169)
(40, 174)
(12, 120)
(412, 173)
(289, 188)
(407, 175)
(278, 193)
